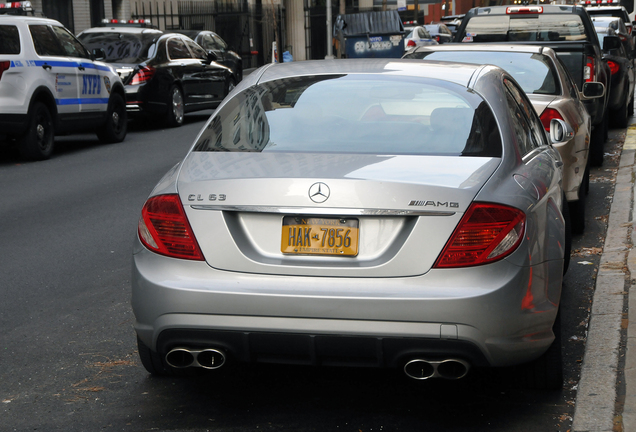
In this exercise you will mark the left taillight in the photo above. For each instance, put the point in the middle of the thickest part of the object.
(547, 115)
(588, 70)
(163, 228)
(143, 75)
(487, 233)
(614, 67)
(4, 65)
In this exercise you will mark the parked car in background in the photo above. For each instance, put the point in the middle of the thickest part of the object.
(165, 75)
(440, 32)
(553, 94)
(452, 22)
(616, 24)
(623, 76)
(569, 31)
(299, 230)
(50, 84)
(418, 36)
(611, 9)
(213, 43)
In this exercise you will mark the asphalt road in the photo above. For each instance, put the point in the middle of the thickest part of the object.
(68, 357)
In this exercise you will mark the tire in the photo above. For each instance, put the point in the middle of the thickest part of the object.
(620, 116)
(174, 116)
(116, 126)
(577, 208)
(229, 85)
(597, 144)
(546, 372)
(630, 106)
(567, 248)
(37, 143)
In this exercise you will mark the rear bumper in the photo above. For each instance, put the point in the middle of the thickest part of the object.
(495, 315)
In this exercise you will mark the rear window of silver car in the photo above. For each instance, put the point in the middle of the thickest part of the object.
(355, 113)
(535, 73)
(525, 27)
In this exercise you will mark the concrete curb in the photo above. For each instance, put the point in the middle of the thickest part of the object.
(596, 396)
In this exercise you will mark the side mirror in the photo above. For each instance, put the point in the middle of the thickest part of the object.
(611, 43)
(593, 90)
(560, 131)
(212, 57)
(98, 53)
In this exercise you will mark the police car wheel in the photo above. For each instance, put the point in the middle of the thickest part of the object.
(175, 107)
(37, 142)
(229, 85)
(115, 127)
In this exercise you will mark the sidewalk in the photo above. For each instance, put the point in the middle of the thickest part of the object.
(600, 389)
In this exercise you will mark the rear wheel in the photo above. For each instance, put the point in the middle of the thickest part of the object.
(229, 85)
(567, 249)
(619, 117)
(577, 208)
(114, 130)
(37, 142)
(597, 144)
(546, 372)
(174, 116)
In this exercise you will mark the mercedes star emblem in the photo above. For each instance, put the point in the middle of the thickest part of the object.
(319, 192)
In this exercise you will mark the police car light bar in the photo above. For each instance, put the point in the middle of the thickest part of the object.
(600, 2)
(107, 21)
(21, 5)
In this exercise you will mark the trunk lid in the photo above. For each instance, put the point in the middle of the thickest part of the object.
(404, 207)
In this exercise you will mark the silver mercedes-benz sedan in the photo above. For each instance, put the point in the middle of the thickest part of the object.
(375, 212)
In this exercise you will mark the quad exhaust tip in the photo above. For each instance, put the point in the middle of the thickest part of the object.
(209, 358)
(421, 369)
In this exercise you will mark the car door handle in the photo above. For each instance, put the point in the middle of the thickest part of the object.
(46, 66)
(559, 164)
(81, 67)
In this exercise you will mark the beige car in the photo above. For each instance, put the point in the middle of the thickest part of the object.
(553, 94)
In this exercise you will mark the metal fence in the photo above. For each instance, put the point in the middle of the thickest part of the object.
(247, 29)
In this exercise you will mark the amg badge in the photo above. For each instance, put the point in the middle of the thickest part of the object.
(428, 203)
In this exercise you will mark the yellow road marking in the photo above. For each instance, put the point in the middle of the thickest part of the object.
(630, 138)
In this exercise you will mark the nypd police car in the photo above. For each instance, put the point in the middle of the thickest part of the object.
(50, 84)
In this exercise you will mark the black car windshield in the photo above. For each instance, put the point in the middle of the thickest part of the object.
(122, 47)
(355, 114)
(535, 73)
(525, 27)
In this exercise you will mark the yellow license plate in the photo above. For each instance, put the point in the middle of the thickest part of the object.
(319, 236)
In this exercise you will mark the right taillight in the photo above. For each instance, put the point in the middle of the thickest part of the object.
(410, 43)
(144, 74)
(163, 228)
(4, 65)
(588, 70)
(487, 232)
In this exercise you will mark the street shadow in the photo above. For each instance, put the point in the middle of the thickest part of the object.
(242, 397)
